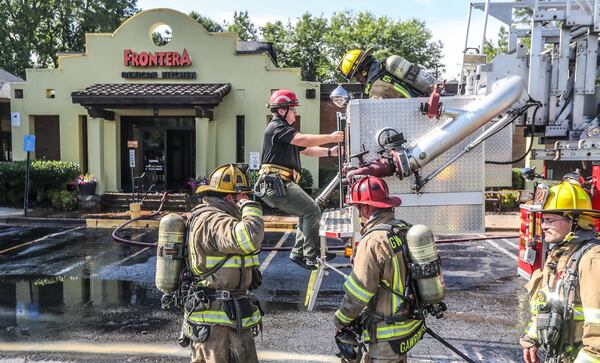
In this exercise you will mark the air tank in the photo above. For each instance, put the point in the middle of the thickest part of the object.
(426, 269)
(169, 252)
(409, 73)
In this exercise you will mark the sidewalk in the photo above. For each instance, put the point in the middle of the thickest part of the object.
(508, 222)
(10, 212)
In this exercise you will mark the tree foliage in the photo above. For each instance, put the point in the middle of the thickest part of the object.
(316, 44)
(208, 24)
(34, 31)
(501, 46)
(243, 26)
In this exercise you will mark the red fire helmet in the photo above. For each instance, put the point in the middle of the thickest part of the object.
(283, 98)
(373, 191)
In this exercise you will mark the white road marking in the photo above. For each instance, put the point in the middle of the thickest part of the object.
(121, 261)
(41, 239)
(156, 349)
(267, 260)
(510, 243)
(502, 249)
(77, 264)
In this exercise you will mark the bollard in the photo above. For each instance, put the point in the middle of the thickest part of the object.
(135, 210)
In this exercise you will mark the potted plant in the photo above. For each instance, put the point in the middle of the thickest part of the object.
(86, 183)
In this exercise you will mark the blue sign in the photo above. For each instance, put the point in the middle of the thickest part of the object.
(29, 143)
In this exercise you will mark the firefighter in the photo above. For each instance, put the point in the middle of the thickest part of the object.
(374, 289)
(279, 175)
(224, 238)
(565, 295)
(394, 77)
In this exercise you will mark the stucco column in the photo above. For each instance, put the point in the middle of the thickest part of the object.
(96, 152)
(202, 147)
(112, 164)
(212, 145)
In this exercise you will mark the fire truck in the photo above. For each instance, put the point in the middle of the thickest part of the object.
(556, 52)
(439, 154)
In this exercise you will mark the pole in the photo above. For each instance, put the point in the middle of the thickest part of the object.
(485, 20)
(26, 197)
(462, 64)
(338, 116)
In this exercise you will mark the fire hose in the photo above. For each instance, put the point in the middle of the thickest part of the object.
(151, 215)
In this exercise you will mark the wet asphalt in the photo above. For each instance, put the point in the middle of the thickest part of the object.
(81, 297)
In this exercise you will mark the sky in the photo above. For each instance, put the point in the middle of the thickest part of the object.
(447, 19)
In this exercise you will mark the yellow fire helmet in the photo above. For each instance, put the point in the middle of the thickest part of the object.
(566, 198)
(351, 62)
(228, 178)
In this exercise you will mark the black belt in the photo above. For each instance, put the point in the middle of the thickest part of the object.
(225, 294)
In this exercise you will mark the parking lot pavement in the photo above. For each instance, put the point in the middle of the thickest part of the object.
(87, 289)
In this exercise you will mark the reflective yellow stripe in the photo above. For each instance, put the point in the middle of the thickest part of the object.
(194, 260)
(591, 315)
(342, 318)
(219, 317)
(242, 238)
(210, 317)
(354, 289)
(531, 330)
(396, 330)
(578, 313)
(234, 261)
(251, 211)
(584, 357)
(252, 320)
(402, 90)
(397, 286)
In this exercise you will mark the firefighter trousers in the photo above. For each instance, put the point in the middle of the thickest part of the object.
(225, 345)
(298, 203)
(383, 352)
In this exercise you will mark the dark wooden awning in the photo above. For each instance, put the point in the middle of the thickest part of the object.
(200, 96)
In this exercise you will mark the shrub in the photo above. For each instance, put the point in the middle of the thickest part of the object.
(517, 181)
(306, 178)
(508, 201)
(63, 199)
(44, 175)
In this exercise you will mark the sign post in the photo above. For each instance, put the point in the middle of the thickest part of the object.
(28, 146)
(132, 145)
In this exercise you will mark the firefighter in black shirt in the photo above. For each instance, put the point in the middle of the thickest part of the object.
(281, 161)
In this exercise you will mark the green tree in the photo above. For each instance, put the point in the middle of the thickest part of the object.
(208, 24)
(243, 26)
(278, 36)
(34, 31)
(307, 47)
(501, 46)
(410, 39)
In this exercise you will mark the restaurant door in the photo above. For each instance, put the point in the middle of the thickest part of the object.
(165, 153)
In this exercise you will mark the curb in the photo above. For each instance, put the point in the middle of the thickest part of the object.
(114, 223)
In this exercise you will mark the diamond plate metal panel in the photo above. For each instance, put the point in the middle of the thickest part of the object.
(499, 148)
(464, 175)
(445, 219)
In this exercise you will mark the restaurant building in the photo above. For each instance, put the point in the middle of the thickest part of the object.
(183, 99)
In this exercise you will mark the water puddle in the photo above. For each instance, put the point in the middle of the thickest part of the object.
(59, 306)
